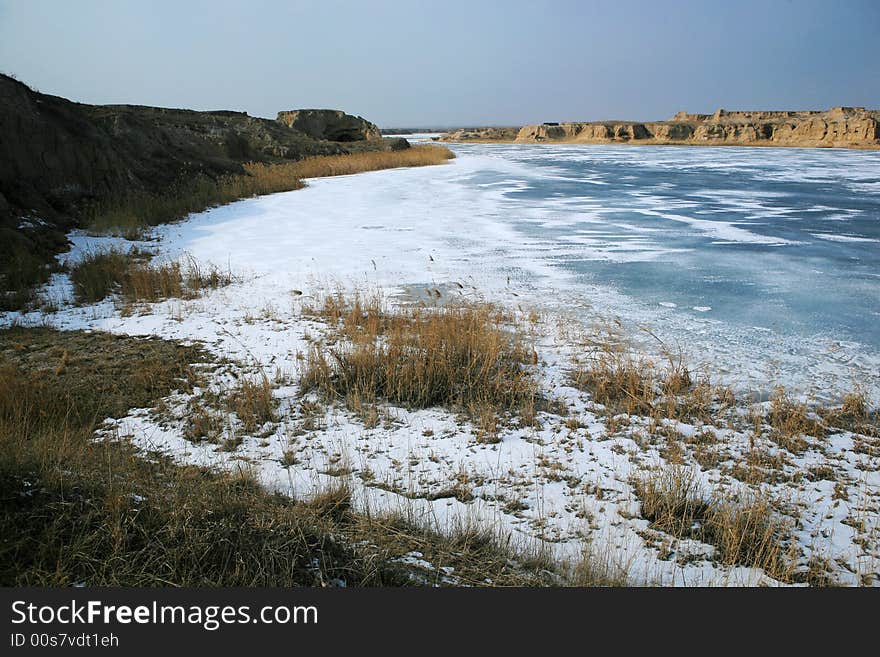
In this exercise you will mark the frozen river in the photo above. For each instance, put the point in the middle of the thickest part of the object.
(762, 263)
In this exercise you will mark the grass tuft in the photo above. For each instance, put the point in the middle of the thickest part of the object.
(618, 381)
(743, 530)
(102, 273)
(854, 414)
(21, 271)
(254, 404)
(791, 421)
(464, 357)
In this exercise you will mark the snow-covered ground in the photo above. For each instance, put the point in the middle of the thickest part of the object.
(567, 484)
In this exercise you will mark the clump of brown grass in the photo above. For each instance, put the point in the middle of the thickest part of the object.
(203, 423)
(625, 382)
(354, 316)
(619, 381)
(702, 401)
(101, 273)
(22, 269)
(855, 405)
(464, 357)
(791, 422)
(253, 403)
(97, 274)
(853, 414)
(742, 529)
(149, 282)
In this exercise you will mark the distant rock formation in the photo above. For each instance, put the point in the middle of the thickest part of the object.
(330, 125)
(842, 127)
(481, 134)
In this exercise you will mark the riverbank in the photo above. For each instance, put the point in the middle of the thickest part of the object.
(27, 264)
(66, 165)
(619, 455)
(596, 467)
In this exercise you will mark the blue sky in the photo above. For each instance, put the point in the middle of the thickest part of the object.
(452, 62)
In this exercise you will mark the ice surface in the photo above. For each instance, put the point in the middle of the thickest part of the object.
(768, 238)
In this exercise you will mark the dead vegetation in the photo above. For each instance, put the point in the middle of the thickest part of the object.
(224, 416)
(853, 414)
(86, 512)
(253, 403)
(626, 382)
(742, 527)
(27, 258)
(99, 274)
(792, 422)
(464, 357)
(22, 270)
(343, 165)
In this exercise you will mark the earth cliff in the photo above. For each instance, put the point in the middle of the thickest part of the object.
(481, 134)
(58, 157)
(332, 125)
(847, 127)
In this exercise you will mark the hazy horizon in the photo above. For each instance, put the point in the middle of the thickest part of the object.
(406, 64)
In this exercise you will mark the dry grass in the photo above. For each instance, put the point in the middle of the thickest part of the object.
(464, 357)
(98, 274)
(204, 424)
(102, 273)
(853, 414)
(77, 511)
(342, 165)
(624, 382)
(743, 530)
(128, 216)
(25, 264)
(94, 513)
(209, 417)
(791, 422)
(253, 403)
(619, 381)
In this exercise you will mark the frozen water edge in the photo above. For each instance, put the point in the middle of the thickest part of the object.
(326, 234)
(434, 226)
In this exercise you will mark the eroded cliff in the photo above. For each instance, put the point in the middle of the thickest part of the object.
(846, 127)
(332, 125)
